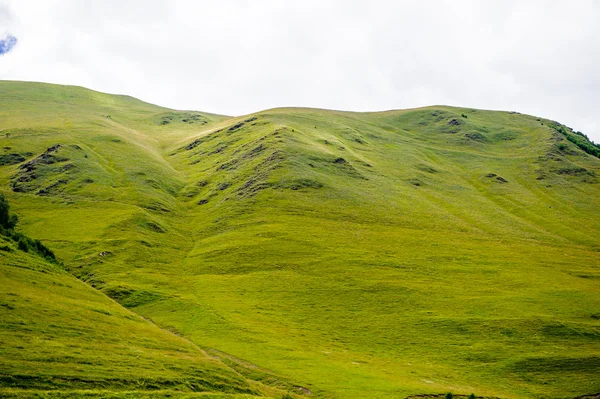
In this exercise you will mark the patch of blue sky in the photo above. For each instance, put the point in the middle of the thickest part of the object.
(7, 44)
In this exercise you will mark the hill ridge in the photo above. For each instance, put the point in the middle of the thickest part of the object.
(368, 255)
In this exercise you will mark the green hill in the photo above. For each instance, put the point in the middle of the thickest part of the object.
(347, 255)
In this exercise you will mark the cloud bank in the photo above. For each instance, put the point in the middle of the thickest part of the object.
(239, 56)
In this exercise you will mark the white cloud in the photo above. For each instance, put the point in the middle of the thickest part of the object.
(235, 57)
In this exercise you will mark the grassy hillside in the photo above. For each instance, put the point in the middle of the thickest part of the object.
(59, 334)
(367, 255)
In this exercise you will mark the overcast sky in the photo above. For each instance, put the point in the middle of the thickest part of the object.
(237, 57)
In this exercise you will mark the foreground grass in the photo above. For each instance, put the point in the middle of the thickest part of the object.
(357, 255)
(57, 332)
(29, 394)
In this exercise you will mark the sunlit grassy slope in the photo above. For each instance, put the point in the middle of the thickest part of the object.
(359, 255)
(59, 334)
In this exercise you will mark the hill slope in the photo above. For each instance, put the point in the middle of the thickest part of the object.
(58, 333)
(362, 255)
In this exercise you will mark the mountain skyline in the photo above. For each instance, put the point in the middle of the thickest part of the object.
(239, 57)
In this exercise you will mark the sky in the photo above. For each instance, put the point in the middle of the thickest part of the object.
(236, 57)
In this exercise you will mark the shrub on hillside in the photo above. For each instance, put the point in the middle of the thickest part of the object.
(579, 139)
(24, 243)
(5, 219)
(31, 245)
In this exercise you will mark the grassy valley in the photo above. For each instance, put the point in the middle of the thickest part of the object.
(297, 251)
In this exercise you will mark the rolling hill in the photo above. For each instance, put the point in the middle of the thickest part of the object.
(321, 253)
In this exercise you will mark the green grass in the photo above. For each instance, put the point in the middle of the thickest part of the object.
(369, 255)
(59, 333)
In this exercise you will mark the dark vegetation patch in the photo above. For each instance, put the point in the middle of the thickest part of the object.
(192, 190)
(235, 127)
(182, 117)
(223, 186)
(53, 188)
(475, 136)
(579, 139)
(507, 135)
(560, 330)
(12, 159)
(563, 148)
(426, 168)
(25, 178)
(153, 226)
(218, 150)
(351, 135)
(496, 178)
(47, 158)
(444, 121)
(131, 298)
(6, 248)
(201, 140)
(439, 114)
(346, 167)
(297, 184)
(253, 186)
(363, 163)
(593, 276)
(261, 173)
(8, 222)
(228, 165)
(240, 125)
(194, 144)
(254, 151)
(415, 182)
(574, 171)
(157, 207)
(254, 161)
(560, 164)
(245, 167)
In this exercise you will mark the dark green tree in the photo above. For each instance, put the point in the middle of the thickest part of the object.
(4, 212)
